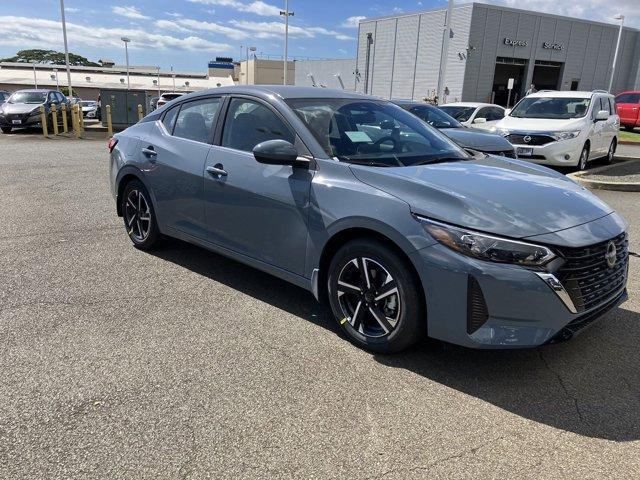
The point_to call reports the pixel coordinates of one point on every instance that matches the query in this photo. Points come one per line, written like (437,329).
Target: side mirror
(602,116)
(507,111)
(277,152)
(480,120)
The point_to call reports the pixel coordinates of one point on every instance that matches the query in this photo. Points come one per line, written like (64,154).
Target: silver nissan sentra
(401,231)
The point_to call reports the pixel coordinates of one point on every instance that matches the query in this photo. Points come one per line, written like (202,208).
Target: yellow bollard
(65,128)
(140,112)
(54,118)
(81,118)
(76,122)
(109,124)
(43,120)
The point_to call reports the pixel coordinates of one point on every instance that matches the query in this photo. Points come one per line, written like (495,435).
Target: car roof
(406,101)
(470,104)
(285,91)
(40,90)
(567,94)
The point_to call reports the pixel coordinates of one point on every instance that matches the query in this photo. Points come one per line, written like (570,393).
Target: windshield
(551,108)
(462,114)
(28,97)
(432,115)
(374,133)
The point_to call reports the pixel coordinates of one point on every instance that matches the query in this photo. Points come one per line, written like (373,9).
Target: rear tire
(6,129)
(380,310)
(139,216)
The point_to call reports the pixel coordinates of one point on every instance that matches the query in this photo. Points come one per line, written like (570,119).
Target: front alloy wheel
(375,296)
(584,158)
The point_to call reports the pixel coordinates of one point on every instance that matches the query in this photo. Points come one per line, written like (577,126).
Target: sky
(186,34)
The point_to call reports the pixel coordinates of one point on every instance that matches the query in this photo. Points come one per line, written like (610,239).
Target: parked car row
(379,214)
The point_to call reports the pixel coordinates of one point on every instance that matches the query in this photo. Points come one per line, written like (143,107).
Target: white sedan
(477,115)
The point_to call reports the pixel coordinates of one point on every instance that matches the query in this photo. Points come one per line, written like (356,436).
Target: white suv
(563,128)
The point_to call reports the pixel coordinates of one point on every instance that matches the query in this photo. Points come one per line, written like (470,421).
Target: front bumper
(563,153)
(522,309)
(9,120)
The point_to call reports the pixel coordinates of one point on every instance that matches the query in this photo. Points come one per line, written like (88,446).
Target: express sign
(515,43)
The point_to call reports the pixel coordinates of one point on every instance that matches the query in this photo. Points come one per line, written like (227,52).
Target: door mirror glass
(276,152)
(602,115)
(480,120)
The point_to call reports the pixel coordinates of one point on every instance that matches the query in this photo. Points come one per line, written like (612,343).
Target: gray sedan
(396,227)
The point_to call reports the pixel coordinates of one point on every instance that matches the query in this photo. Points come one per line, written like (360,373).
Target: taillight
(112,144)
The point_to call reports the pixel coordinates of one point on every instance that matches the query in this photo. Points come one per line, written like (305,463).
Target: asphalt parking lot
(116,363)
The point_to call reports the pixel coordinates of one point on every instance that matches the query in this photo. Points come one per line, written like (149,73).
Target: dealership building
(400,56)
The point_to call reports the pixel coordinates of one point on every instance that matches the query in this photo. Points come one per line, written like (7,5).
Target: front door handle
(217,170)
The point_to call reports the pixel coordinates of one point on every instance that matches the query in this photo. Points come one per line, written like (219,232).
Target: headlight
(565,135)
(500,131)
(487,247)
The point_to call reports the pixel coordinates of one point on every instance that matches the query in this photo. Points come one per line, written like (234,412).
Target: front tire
(584,159)
(375,296)
(139,216)
(611,153)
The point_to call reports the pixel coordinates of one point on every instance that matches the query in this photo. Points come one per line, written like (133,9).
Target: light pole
(35,78)
(126,40)
(249,49)
(66,48)
(615,56)
(444,55)
(286,14)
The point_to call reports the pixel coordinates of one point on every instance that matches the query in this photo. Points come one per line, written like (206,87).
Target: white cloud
(257,7)
(26,32)
(276,29)
(129,12)
(71,10)
(190,25)
(352,22)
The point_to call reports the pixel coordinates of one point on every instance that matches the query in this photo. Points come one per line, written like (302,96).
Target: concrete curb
(579,177)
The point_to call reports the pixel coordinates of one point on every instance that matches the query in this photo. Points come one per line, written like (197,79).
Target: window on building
(249,123)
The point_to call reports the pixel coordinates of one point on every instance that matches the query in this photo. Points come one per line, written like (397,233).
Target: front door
(254,209)
(176,151)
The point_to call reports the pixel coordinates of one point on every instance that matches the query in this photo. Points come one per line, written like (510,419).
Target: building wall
(267,72)
(406,53)
(587,54)
(324,73)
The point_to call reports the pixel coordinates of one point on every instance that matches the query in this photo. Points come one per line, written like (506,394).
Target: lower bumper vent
(477,313)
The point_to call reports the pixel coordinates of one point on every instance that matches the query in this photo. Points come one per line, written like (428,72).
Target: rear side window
(196,119)
(170,119)
(612,104)
(249,123)
(628,98)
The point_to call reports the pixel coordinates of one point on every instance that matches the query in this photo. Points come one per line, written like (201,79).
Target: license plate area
(16,122)
(524,151)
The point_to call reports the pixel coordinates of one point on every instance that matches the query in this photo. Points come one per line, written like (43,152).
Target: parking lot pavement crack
(455,456)
(572,398)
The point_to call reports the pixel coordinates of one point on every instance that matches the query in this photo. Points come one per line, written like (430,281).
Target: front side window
(495,113)
(433,116)
(374,133)
(196,119)
(462,114)
(604,105)
(551,108)
(249,123)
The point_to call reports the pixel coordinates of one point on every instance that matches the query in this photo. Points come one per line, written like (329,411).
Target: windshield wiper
(364,161)
(440,160)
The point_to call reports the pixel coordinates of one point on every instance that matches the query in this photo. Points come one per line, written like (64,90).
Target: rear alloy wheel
(138,216)
(584,159)
(375,297)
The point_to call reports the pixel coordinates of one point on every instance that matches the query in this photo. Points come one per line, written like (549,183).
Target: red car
(629,109)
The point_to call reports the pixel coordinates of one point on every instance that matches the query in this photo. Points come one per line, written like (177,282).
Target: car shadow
(589,386)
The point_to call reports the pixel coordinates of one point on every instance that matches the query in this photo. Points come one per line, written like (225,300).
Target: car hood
(495,195)
(539,124)
(477,139)
(19,108)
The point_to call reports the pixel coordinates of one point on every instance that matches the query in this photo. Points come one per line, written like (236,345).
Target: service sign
(553,46)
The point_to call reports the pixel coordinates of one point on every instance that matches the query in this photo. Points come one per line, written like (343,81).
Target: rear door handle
(149,151)
(217,170)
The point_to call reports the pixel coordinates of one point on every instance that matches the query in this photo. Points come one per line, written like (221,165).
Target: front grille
(585,320)
(477,312)
(505,153)
(535,140)
(587,277)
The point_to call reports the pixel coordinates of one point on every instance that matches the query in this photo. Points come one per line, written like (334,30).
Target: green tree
(49,57)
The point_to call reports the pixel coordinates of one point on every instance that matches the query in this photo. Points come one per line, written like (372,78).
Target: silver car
(377,213)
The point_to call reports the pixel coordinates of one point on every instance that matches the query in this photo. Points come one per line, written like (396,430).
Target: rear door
(628,111)
(175,154)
